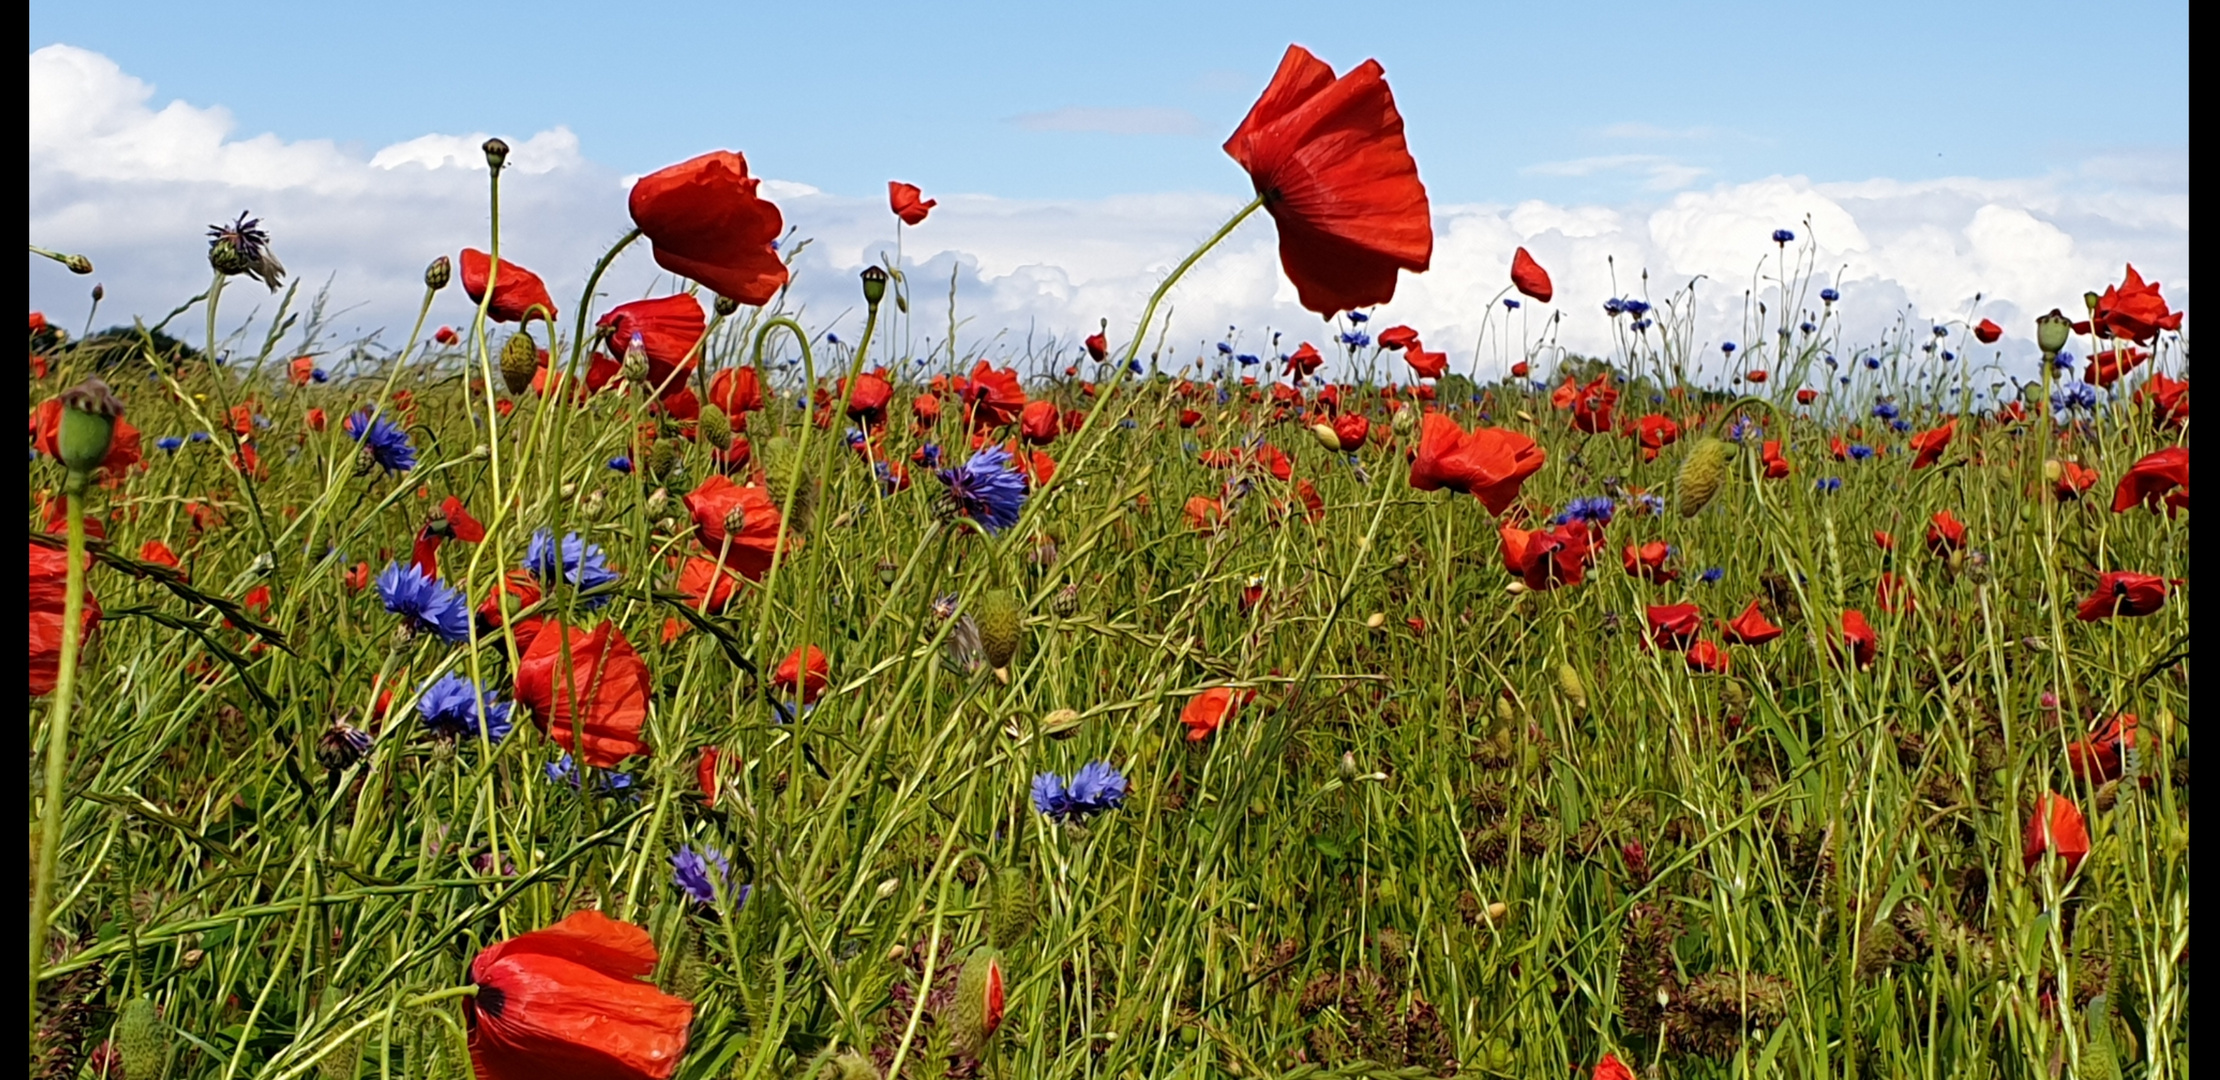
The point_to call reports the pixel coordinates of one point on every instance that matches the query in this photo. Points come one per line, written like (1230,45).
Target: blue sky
(1610,102)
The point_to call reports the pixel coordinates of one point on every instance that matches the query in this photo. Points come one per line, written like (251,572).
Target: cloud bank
(133,184)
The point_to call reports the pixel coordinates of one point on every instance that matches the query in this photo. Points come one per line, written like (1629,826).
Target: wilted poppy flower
(2154,479)
(1487,463)
(739,525)
(603,691)
(1776,466)
(1673,626)
(518,294)
(802,677)
(1039,423)
(1928,446)
(1987,332)
(2168,399)
(1648,562)
(668,327)
(1208,711)
(1426,365)
(1397,337)
(1328,157)
(1528,277)
(1858,635)
(904,200)
(2133,309)
(706,222)
(1750,627)
(2057,827)
(1945,533)
(1304,360)
(1707,657)
(1545,559)
(2096,758)
(573,1000)
(1204,514)
(2123,592)
(46,593)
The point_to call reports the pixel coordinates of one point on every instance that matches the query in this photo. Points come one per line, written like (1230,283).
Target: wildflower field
(672,688)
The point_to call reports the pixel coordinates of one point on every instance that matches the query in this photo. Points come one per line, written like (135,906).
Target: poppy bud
(659,499)
(437,275)
(1326,436)
(2052,332)
(726,306)
(977,1010)
(1702,473)
(142,1040)
(78,264)
(520,360)
(100,292)
(783,469)
(715,427)
(1001,628)
(1010,911)
(1570,685)
(497,154)
(874,285)
(89,412)
(2092,300)
(1404,421)
(661,459)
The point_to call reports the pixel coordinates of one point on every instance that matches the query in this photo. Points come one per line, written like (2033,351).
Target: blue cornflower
(1860,453)
(1806,327)
(1744,428)
(1873,363)
(1359,317)
(1900,426)
(1591,508)
(1727,347)
(1942,331)
(2074,395)
(1640,325)
(1657,399)
(888,482)
(987,489)
(383,440)
(620,463)
(1830,358)
(692,871)
(168,444)
(1636,308)
(582,564)
(928,455)
(832,338)
(427,603)
(1097,787)
(1134,366)
(1653,504)
(1247,360)
(1846,380)
(1128,424)
(1356,339)
(2065,361)
(1050,796)
(1829,485)
(1783,236)
(454,707)
(1948,356)
(564,770)
(1225,348)
(1711,575)
(1884,409)
(1510,304)
(1829,296)
(198,436)
(320,375)
(1613,307)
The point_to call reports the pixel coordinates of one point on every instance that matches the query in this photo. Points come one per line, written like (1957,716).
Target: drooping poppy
(2123,592)
(1328,157)
(2133,309)
(1208,711)
(2098,757)
(1426,364)
(907,203)
(1928,446)
(1488,463)
(1945,533)
(1987,332)
(1397,337)
(1304,360)
(1039,423)
(603,691)
(670,328)
(1673,626)
(1750,627)
(518,293)
(2057,827)
(739,525)
(1858,635)
(804,674)
(572,1002)
(1706,657)
(1776,466)
(1528,277)
(706,222)
(2159,477)
(45,594)
(1648,562)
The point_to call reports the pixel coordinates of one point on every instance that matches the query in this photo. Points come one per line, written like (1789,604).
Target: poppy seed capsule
(439,273)
(716,427)
(520,360)
(725,306)
(1702,473)
(874,285)
(497,154)
(89,412)
(1001,627)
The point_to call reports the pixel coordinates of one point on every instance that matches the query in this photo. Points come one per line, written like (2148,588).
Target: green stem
(57,738)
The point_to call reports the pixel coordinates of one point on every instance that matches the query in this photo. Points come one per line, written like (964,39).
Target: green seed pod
(439,273)
(716,427)
(783,468)
(1001,627)
(1570,684)
(1703,472)
(142,1040)
(725,306)
(497,154)
(520,360)
(2052,331)
(662,458)
(977,1010)
(874,285)
(89,412)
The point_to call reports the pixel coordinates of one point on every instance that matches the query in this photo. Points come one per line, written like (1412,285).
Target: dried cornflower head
(243,247)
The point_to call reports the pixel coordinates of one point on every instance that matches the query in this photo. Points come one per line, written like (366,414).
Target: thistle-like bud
(1001,627)
(224,258)
(89,412)
(977,1010)
(497,154)
(142,1040)
(520,360)
(439,273)
(1570,684)
(634,366)
(1065,603)
(78,264)
(1703,473)
(874,285)
(725,306)
(2052,332)
(341,746)
(715,427)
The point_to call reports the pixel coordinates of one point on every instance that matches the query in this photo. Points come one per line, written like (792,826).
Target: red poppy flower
(993,397)
(1776,466)
(1707,657)
(2056,826)
(1487,463)
(1987,332)
(1204,514)
(1806,396)
(1945,533)
(1314,508)
(1858,634)
(808,678)
(869,399)
(2096,758)
(301,370)
(669,327)
(2123,592)
(46,438)
(1521,370)
(1591,405)
(738,524)
(736,391)
(603,692)
(2167,398)
(1528,277)
(1303,360)
(1427,365)
(1098,346)
(357,577)
(518,294)
(1928,446)
(2108,365)
(518,590)
(446,335)
(904,200)
(1648,562)
(1673,626)
(2153,480)
(925,410)
(2133,309)
(1757,375)
(1397,337)
(1208,711)
(1350,430)
(572,1002)
(1750,627)
(1655,432)
(706,586)
(2073,478)
(705,775)
(706,222)
(1546,559)
(1328,157)
(316,420)
(159,553)
(1189,418)
(1611,1068)
(47,592)
(1895,594)
(1039,423)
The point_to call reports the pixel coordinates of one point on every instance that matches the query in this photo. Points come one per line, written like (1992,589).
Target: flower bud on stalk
(977,1011)
(520,360)
(78,264)
(142,1040)
(497,154)
(716,427)
(1001,628)
(89,412)
(726,306)
(1703,473)
(2052,332)
(874,285)
(439,273)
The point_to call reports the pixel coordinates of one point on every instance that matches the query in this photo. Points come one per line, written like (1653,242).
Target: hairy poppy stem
(57,737)
(1164,288)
